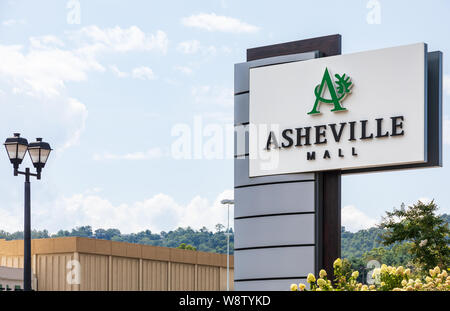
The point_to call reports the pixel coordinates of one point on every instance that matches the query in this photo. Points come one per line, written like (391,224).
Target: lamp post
(228,203)
(17,147)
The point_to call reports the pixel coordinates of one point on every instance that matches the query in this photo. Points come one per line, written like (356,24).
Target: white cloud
(10,221)
(37,75)
(213,22)
(13,22)
(43,71)
(213,95)
(45,42)
(153,153)
(354,219)
(143,73)
(75,121)
(158,213)
(117,72)
(96,39)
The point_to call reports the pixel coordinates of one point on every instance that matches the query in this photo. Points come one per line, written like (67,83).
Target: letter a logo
(338,94)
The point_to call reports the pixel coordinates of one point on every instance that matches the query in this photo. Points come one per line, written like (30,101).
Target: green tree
(427,233)
(83,231)
(219,227)
(201,240)
(188,247)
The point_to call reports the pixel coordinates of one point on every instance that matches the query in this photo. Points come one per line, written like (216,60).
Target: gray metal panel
(241,144)
(241,104)
(279,262)
(241,70)
(241,175)
(268,285)
(274,231)
(270,199)
(274,199)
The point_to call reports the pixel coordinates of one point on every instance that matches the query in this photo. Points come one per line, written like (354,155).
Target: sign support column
(308,209)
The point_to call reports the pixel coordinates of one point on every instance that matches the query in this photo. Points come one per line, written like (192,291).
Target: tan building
(74,263)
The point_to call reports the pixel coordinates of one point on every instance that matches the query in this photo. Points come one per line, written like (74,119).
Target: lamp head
(39,152)
(226,201)
(16,147)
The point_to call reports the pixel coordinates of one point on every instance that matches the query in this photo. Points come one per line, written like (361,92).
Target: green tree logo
(338,91)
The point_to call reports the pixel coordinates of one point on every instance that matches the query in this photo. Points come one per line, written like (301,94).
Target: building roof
(113,248)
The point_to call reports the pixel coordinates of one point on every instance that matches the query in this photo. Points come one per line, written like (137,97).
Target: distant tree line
(187,238)
(359,247)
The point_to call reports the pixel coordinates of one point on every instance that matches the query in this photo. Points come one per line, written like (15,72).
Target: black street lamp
(39,151)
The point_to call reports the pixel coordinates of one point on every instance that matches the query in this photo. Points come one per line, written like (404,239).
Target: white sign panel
(342,112)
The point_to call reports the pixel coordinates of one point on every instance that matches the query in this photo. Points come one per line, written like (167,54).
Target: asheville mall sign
(354,111)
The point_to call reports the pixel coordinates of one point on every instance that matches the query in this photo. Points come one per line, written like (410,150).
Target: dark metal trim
(327,45)
(273,215)
(274,278)
(274,182)
(241,155)
(329,229)
(273,246)
(243,123)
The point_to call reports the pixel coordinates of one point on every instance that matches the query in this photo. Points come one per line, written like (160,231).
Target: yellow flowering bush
(387,278)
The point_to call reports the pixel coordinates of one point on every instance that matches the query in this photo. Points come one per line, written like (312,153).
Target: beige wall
(155,275)
(94,272)
(108,265)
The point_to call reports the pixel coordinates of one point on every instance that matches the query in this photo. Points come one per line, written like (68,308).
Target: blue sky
(110,83)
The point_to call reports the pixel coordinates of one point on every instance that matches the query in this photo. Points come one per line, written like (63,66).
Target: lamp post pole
(39,151)
(228,202)
(228,249)
(27,235)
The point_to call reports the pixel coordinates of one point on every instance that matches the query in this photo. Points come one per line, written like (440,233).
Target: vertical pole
(169,276)
(141,275)
(27,235)
(331,220)
(228,250)
(196,277)
(110,273)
